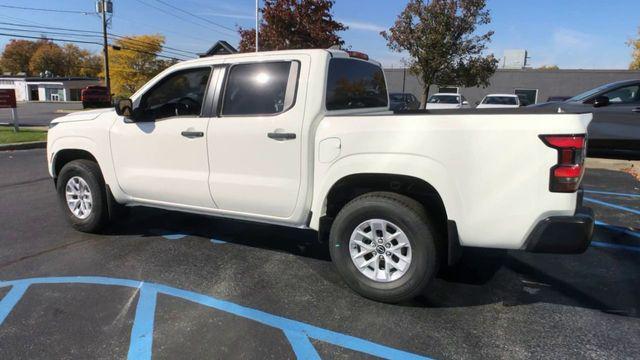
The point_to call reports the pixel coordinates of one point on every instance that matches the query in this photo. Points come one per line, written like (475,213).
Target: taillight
(567,173)
(358,55)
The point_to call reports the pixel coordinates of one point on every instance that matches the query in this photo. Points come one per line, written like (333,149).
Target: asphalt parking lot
(173,285)
(38,113)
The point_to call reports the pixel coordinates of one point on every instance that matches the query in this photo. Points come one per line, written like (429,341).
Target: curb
(24,146)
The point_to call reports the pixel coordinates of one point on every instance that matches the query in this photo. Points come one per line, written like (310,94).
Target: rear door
(255,142)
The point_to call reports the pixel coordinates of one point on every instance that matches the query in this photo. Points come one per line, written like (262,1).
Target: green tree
(48,57)
(17,56)
(442,40)
(635,44)
(294,24)
(133,61)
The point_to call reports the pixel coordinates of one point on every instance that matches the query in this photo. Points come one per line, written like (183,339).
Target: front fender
(416,166)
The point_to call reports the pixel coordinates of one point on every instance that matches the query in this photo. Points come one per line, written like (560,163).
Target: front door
(255,143)
(618,124)
(162,156)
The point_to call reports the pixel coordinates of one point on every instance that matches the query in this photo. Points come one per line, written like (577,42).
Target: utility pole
(257,21)
(105,7)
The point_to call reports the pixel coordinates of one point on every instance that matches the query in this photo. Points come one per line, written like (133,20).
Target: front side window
(624,95)
(260,88)
(500,100)
(178,94)
(355,84)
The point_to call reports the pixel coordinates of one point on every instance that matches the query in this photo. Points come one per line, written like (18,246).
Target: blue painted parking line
(142,332)
(619,229)
(214,241)
(11,299)
(615,246)
(612,193)
(301,345)
(614,206)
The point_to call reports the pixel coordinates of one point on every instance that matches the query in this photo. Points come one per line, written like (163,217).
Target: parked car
(95,96)
(494,101)
(615,129)
(403,101)
(295,141)
(558,98)
(447,101)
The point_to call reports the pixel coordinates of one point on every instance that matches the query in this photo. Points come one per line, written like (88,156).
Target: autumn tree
(133,61)
(442,40)
(80,62)
(294,24)
(17,56)
(635,44)
(549,67)
(48,57)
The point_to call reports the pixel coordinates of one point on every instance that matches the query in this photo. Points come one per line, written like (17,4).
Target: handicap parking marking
(619,229)
(611,193)
(299,334)
(614,206)
(615,246)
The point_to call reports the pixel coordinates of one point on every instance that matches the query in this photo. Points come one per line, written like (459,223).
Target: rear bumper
(563,234)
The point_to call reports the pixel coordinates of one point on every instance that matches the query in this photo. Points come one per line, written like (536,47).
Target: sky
(588,34)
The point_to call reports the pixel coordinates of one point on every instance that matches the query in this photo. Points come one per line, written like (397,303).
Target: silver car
(615,129)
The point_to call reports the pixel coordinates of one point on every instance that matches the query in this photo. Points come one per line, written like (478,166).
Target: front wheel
(384,247)
(81,191)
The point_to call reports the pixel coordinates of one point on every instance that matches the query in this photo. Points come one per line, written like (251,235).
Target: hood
(82,115)
(443,106)
(496,106)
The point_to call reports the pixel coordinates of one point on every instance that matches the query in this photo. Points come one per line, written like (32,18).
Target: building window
(74,94)
(448,90)
(527,96)
(54,94)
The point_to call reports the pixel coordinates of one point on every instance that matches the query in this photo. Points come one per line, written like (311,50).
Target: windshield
(500,100)
(443,99)
(589,93)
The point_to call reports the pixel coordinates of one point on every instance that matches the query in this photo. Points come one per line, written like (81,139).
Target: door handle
(192,134)
(280,136)
(636,110)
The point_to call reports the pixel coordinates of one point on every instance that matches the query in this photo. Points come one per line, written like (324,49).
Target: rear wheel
(81,191)
(384,247)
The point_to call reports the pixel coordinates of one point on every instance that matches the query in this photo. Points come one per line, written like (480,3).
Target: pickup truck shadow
(601,279)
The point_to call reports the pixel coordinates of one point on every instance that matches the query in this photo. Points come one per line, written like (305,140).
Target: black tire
(412,219)
(90,172)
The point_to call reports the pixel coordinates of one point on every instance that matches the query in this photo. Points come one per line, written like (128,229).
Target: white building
(46,89)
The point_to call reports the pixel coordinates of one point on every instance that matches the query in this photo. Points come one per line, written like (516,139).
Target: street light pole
(257,21)
(105,45)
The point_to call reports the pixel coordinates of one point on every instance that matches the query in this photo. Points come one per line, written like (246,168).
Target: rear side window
(260,88)
(355,84)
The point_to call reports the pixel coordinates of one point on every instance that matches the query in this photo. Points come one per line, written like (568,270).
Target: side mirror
(600,101)
(124,107)
(465,102)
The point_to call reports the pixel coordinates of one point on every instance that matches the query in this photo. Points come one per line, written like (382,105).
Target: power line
(48,10)
(195,16)
(97,34)
(88,42)
(179,17)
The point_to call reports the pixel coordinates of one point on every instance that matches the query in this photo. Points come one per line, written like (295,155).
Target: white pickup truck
(305,139)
